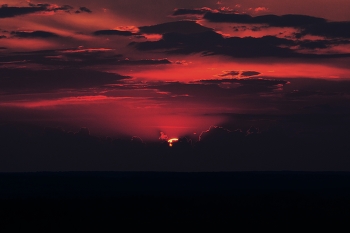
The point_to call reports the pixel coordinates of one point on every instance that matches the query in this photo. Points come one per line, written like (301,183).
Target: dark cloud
(272,20)
(85,9)
(185,27)
(249,73)
(26,80)
(144,62)
(34,34)
(308,25)
(183,11)
(184,43)
(39,4)
(289,20)
(78,58)
(3,48)
(65,8)
(318,44)
(329,29)
(7,11)
(113,33)
(211,43)
(202,11)
(3,36)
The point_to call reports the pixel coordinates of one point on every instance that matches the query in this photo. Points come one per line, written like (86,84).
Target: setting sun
(172,140)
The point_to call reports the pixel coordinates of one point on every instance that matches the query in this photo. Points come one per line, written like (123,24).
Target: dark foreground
(85,200)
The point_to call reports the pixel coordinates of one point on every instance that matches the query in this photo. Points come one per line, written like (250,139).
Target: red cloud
(259,9)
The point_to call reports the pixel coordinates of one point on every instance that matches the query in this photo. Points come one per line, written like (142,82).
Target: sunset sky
(139,68)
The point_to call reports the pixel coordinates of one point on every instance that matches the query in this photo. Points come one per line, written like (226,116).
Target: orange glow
(153,37)
(118,115)
(172,140)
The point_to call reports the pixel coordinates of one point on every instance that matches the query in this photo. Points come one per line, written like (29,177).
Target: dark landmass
(107,200)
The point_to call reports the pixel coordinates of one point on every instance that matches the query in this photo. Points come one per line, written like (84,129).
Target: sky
(170,69)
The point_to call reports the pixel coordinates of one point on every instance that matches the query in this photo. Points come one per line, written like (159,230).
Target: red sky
(129,67)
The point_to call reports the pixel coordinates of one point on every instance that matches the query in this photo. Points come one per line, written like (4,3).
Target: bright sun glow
(172,140)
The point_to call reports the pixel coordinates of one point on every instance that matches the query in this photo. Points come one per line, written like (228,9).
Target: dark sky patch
(182,11)
(10,11)
(7,12)
(329,29)
(78,58)
(113,33)
(34,34)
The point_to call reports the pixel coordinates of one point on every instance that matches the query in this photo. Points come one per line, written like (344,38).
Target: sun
(172,140)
